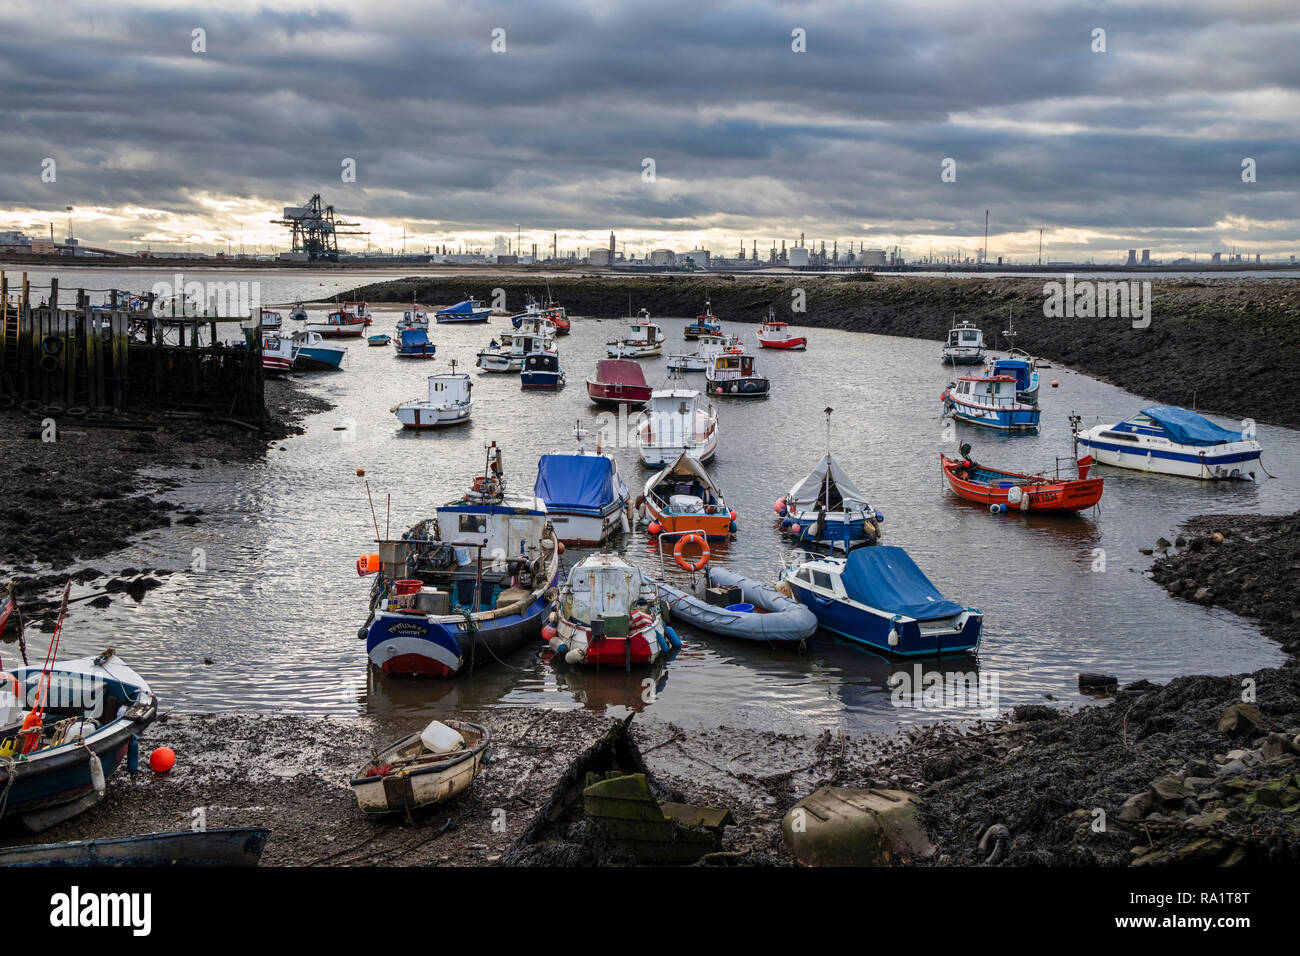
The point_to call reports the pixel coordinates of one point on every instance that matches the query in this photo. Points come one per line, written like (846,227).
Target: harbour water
(269,593)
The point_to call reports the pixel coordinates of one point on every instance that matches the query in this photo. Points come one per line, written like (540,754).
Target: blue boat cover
(1189,428)
(886,578)
(460,308)
(1016,368)
(575,482)
(414,337)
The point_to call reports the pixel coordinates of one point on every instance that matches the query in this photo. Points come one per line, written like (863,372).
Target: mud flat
(1222,345)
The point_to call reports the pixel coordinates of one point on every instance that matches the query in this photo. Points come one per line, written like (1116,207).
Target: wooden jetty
(125,357)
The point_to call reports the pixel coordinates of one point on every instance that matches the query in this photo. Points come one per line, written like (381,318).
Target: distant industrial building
(872,257)
(663,257)
(599,257)
(798,256)
(1132,258)
(1146,257)
(696,258)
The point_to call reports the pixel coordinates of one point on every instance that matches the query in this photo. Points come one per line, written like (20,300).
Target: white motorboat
(448,403)
(642,339)
(1173,441)
(965,345)
(677,420)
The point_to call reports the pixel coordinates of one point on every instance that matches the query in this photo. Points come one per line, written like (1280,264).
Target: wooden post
(54,294)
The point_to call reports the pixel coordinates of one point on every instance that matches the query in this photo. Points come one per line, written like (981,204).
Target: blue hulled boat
(826,508)
(992,400)
(542,372)
(464,588)
(469,310)
(879,597)
(414,343)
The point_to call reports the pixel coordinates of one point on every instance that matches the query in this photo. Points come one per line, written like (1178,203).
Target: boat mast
(826,482)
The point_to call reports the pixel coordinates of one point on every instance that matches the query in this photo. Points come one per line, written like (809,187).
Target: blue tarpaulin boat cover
(575,482)
(460,308)
(886,578)
(414,337)
(1189,428)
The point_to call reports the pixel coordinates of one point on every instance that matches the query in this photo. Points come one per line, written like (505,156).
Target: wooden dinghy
(1011,491)
(409,774)
(227,846)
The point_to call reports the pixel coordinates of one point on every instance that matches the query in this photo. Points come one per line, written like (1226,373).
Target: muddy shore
(1221,344)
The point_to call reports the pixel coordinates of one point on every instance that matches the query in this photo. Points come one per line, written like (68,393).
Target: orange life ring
(704,556)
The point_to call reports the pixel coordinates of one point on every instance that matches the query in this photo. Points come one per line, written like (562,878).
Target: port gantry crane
(315,230)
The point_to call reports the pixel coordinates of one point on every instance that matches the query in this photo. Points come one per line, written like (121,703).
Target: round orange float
(681,545)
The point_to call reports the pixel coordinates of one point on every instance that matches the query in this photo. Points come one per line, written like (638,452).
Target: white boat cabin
(604,585)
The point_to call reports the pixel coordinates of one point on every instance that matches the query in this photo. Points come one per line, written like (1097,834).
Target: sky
(466,120)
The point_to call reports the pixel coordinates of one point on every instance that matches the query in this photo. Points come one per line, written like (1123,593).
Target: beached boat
(428,767)
(880,598)
(826,508)
(219,846)
(705,324)
(465,588)
(377,341)
(678,420)
(990,400)
(642,339)
(965,345)
(271,320)
(1173,441)
(618,382)
(542,372)
(508,354)
(558,316)
(759,613)
(1012,491)
(467,310)
(586,498)
(448,403)
(413,318)
(278,352)
(682,498)
(732,373)
(708,346)
(608,614)
(414,343)
(298,313)
(339,324)
(776,335)
(360,309)
(63,731)
(313,353)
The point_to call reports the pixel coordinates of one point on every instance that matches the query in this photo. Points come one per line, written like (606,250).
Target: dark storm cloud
(844,140)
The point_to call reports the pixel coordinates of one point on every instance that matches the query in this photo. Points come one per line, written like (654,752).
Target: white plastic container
(441,739)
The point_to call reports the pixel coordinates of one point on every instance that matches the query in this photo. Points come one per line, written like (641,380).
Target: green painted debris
(651,832)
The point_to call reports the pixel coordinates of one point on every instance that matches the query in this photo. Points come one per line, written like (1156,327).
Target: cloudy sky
(1139,146)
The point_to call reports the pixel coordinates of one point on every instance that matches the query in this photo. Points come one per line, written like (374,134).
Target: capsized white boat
(1173,441)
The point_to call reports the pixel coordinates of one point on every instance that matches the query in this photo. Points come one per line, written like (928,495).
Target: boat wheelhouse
(990,400)
(965,345)
(1024,371)
(413,319)
(618,382)
(773,334)
(705,324)
(360,309)
(1174,441)
(880,598)
(313,353)
(608,615)
(542,372)
(682,499)
(585,496)
(642,339)
(448,403)
(298,313)
(826,508)
(278,352)
(707,347)
(414,343)
(339,324)
(677,420)
(271,320)
(465,588)
(508,354)
(467,310)
(558,316)
(732,373)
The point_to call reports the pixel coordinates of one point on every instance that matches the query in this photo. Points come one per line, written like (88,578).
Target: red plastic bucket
(407,586)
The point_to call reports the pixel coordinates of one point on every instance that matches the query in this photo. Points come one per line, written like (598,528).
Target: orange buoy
(779,505)
(559,547)
(654,528)
(33,723)
(704,555)
(1055,383)
(162,759)
(549,633)
(367,564)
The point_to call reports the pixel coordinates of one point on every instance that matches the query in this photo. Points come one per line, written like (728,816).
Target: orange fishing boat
(682,499)
(1011,491)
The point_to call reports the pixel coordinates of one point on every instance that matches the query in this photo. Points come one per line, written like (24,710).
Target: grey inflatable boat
(784,619)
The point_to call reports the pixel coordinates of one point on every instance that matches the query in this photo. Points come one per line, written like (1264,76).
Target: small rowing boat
(422,769)
(222,846)
(1009,490)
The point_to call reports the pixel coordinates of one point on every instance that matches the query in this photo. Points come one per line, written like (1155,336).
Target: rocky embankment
(1223,345)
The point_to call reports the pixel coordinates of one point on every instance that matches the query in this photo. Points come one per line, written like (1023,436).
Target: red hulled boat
(618,382)
(1017,492)
(776,335)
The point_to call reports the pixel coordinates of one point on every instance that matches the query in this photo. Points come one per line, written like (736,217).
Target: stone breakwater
(1224,345)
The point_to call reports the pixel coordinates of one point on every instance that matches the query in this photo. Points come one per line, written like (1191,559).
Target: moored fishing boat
(542,372)
(298,313)
(425,768)
(1024,371)
(278,352)
(414,343)
(448,403)
(360,309)
(1173,441)
(558,316)
(642,339)
(339,324)
(312,352)
(880,598)
(682,499)
(731,372)
(989,400)
(218,846)
(707,347)
(467,310)
(1011,491)
(413,318)
(508,354)
(773,334)
(618,382)
(586,498)
(705,324)
(64,728)
(678,420)
(826,508)
(466,587)
(271,320)
(965,345)
(378,340)
(607,613)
